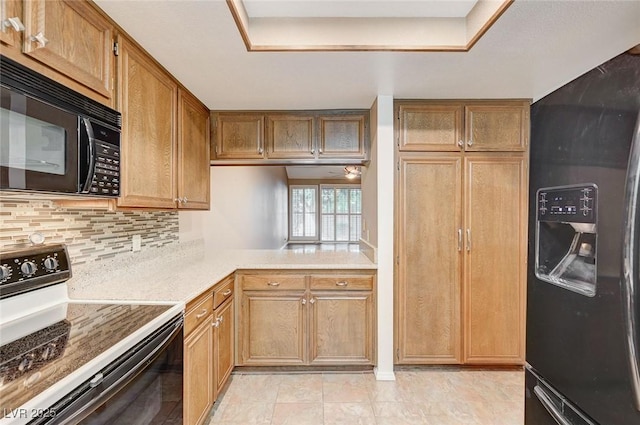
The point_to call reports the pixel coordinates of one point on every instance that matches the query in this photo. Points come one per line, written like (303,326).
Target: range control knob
(51,264)
(5,272)
(28,268)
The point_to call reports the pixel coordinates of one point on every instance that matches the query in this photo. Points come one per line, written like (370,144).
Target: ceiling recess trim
(367,34)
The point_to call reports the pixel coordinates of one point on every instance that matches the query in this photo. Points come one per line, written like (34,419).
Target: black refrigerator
(583,285)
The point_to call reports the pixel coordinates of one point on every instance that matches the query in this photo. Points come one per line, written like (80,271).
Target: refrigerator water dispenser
(566,237)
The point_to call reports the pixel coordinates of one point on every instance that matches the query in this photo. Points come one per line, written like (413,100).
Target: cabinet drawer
(343,282)
(272,282)
(223,291)
(198,313)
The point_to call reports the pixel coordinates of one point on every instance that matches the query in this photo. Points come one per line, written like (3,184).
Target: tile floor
(431,397)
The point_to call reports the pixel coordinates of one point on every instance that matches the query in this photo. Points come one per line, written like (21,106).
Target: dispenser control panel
(577,204)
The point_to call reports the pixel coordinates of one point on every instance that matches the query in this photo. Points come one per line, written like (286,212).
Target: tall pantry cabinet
(461,231)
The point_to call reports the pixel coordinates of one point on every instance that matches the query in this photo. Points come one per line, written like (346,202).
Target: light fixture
(352,171)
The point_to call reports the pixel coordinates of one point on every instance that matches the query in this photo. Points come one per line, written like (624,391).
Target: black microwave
(53,139)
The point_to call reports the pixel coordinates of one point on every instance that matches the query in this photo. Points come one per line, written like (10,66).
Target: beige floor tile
(344,388)
(429,397)
(246,413)
(348,414)
(300,389)
(410,413)
(298,414)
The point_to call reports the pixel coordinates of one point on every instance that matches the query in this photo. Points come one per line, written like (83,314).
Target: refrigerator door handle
(630,262)
(548,404)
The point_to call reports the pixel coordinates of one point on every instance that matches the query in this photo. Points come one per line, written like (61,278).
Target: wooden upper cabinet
(239,136)
(72,38)
(342,136)
(290,136)
(495,264)
(497,127)
(193,152)
(11,13)
(147,98)
(430,126)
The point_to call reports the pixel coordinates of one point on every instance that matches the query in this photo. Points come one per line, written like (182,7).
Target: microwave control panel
(576,204)
(106,171)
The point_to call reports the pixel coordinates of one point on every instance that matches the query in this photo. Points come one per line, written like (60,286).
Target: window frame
(335,213)
(318,214)
(303,238)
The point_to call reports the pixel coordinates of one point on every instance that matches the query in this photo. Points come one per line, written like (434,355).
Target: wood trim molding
(243,23)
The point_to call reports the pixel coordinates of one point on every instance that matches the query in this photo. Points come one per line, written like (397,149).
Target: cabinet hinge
(398,165)
(116,49)
(397,259)
(397,354)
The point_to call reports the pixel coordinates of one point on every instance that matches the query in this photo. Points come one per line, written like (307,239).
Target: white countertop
(181,273)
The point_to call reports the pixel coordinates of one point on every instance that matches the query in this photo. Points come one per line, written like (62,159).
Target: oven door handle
(631,245)
(547,403)
(81,402)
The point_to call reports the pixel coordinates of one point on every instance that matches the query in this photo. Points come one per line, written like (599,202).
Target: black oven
(142,387)
(53,139)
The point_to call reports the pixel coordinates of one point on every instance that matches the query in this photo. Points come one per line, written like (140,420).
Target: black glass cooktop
(40,350)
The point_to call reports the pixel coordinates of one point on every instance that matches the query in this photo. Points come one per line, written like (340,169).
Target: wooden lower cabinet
(495,263)
(272,328)
(461,245)
(329,319)
(198,373)
(341,329)
(223,335)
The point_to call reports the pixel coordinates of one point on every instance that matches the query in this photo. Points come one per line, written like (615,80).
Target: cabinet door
(198,373)
(10,9)
(342,136)
(429,252)
(290,136)
(341,327)
(72,38)
(240,136)
(193,153)
(430,126)
(273,328)
(495,264)
(223,340)
(147,99)
(497,127)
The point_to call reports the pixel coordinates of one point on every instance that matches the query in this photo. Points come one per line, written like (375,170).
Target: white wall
(385,203)
(248,210)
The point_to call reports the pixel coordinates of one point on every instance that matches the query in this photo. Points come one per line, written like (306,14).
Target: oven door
(38,145)
(142,387)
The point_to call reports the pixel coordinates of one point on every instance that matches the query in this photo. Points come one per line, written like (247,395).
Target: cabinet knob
(260,150)
(40,39)
(460,143)
(216,324)
(320,150)
(342,283)
(303,301)
(312,300)
(273,283)
(14,23)
(201,314)
(313,151)
(227,292)
(470,142)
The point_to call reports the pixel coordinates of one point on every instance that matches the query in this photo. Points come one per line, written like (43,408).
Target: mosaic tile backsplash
(90,235)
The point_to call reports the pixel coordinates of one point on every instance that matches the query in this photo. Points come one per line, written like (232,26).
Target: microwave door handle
(90,153)
(630,260)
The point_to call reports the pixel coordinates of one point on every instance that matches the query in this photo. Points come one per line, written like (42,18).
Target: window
(304,216)
(339,217)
